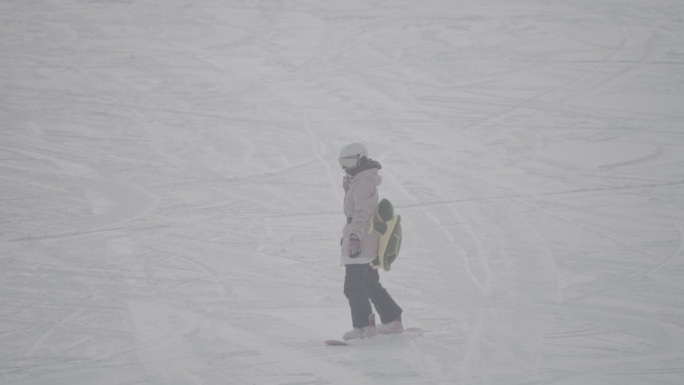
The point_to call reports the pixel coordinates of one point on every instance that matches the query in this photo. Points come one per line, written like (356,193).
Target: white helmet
(351,153)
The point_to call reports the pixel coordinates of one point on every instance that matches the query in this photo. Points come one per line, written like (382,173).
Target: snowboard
(411,332)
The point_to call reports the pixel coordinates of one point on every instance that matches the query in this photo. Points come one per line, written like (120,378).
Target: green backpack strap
(383,213)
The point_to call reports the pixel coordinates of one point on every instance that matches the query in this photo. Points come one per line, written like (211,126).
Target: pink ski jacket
(360,202)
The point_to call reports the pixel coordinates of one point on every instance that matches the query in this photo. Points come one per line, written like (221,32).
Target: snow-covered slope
(170,204)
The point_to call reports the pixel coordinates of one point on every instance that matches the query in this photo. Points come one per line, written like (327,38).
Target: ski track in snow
(171,201)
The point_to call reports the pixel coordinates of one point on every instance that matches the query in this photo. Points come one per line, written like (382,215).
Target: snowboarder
(359,248)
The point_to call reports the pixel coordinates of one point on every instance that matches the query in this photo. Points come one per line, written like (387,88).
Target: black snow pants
(362,286)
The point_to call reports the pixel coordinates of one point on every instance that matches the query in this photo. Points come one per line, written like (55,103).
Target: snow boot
(364,332)
(392,327)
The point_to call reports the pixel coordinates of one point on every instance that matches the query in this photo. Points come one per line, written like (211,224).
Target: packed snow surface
(170,206)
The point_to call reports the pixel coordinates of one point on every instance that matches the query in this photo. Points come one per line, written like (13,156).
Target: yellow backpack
(388,227)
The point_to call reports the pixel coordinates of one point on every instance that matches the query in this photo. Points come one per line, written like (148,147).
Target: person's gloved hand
(354,246)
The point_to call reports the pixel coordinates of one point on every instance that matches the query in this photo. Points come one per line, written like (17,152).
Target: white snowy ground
(170,200)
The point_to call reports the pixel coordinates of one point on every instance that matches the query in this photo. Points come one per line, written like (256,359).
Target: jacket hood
(366,164)
(367,170)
